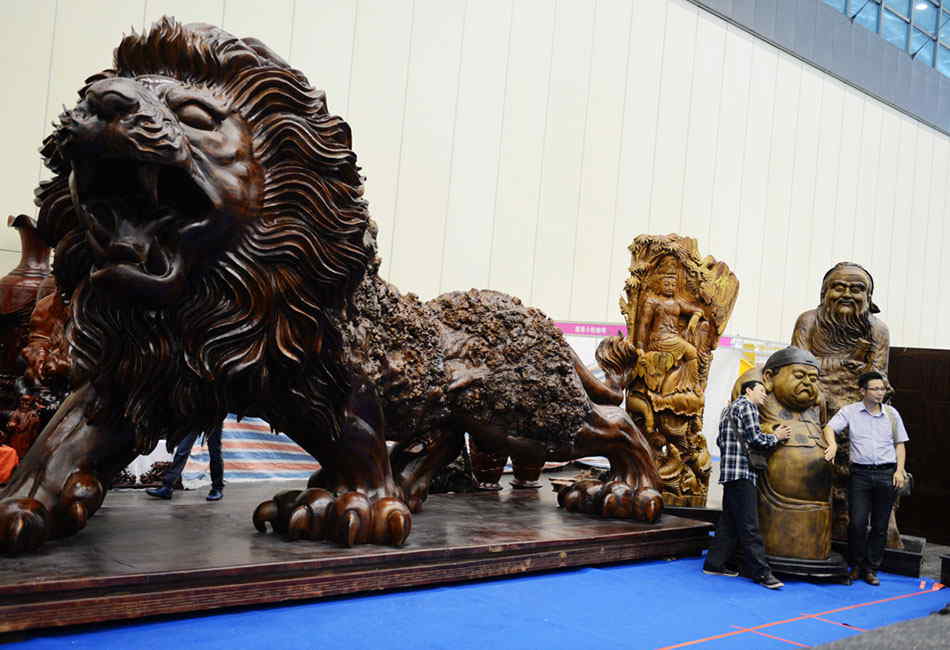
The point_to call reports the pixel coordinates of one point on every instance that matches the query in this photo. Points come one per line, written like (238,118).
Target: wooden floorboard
(140,557)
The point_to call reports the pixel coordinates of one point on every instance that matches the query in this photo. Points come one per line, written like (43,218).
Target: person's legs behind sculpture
(182,453)
(217,465)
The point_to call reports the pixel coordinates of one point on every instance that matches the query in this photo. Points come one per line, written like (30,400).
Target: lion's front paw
(349,519)
(612,499)
(22,525)
(26,523)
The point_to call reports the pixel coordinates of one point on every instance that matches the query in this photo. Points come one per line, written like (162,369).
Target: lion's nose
(114,97)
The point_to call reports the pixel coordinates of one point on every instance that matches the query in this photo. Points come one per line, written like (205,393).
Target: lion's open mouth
(134,214)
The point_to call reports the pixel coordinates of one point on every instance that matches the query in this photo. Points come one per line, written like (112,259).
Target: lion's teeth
(82,176)
(148,177)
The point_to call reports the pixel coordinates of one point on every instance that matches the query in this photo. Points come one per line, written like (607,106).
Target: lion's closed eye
(196,117)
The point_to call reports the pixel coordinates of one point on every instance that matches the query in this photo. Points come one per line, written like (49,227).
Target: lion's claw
(612,499)
(22,525)
(82,496)
(349,519)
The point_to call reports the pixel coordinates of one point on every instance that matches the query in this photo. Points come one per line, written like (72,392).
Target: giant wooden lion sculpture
(216,255)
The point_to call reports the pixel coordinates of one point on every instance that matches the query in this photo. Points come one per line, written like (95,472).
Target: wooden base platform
(141,556)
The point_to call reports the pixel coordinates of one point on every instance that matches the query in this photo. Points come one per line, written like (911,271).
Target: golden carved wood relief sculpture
(676,306)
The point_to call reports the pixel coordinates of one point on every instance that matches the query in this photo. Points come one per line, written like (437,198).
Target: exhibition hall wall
(520,145)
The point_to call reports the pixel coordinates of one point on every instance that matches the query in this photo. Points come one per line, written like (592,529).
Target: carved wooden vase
(18,290)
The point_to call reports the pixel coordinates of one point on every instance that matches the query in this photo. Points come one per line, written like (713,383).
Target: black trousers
(870,495)
(739,527)
(183,451)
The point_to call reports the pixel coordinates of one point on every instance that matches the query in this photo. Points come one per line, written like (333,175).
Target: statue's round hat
(788,356)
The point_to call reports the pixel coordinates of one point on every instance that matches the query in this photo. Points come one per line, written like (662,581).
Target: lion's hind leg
(631,488)
(415,462)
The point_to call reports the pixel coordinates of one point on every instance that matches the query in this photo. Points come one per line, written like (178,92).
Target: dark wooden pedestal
(140,556)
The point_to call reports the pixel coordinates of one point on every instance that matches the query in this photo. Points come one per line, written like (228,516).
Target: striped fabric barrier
(251,452)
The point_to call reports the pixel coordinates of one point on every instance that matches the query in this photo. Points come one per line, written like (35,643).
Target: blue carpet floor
(643,605)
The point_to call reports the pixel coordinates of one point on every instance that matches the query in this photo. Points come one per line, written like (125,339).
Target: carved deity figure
(848,340)
(23,426)
(46,352)
(676,305)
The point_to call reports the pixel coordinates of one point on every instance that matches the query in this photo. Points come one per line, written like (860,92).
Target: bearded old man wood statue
(848,340)
(216,256)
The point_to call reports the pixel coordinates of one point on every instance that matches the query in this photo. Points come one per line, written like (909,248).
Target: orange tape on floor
(772,636)
(936,587)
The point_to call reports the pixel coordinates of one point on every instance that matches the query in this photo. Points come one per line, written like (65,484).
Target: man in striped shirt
(739,522)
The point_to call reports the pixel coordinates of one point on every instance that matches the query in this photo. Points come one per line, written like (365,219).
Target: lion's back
(520,369)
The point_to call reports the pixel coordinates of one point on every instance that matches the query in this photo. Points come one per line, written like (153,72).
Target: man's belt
(881,466)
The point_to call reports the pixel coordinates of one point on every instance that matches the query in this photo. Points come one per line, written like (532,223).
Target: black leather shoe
(214,494)
(871,578)
(724,571)
(770,582)
(163,492)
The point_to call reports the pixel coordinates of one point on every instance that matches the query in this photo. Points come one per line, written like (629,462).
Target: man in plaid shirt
(739,522)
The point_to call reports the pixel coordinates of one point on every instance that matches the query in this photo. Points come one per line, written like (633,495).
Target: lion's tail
(597,391)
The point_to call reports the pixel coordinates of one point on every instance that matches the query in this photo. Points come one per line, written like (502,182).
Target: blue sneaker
(214,494)
(163,492)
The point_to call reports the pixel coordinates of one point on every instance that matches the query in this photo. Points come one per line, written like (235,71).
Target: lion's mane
(258,319)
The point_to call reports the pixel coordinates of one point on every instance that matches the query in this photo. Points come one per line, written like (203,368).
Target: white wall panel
(778,197)
(703,130)
(867,182)
(377,105)
(849,163)
(522,147)
(638,144)
(598,192)
(724,242)
(895,289)
(755,180)
(321,46)
(8,259)
(827,166)
(271,22)
(565,128)
(29,29)
(933,281)
(909,274)
(800,290)
(676,78)
(523,144)
(185,11)
(941,330)
(886,195)
(425,164)
(470,217)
